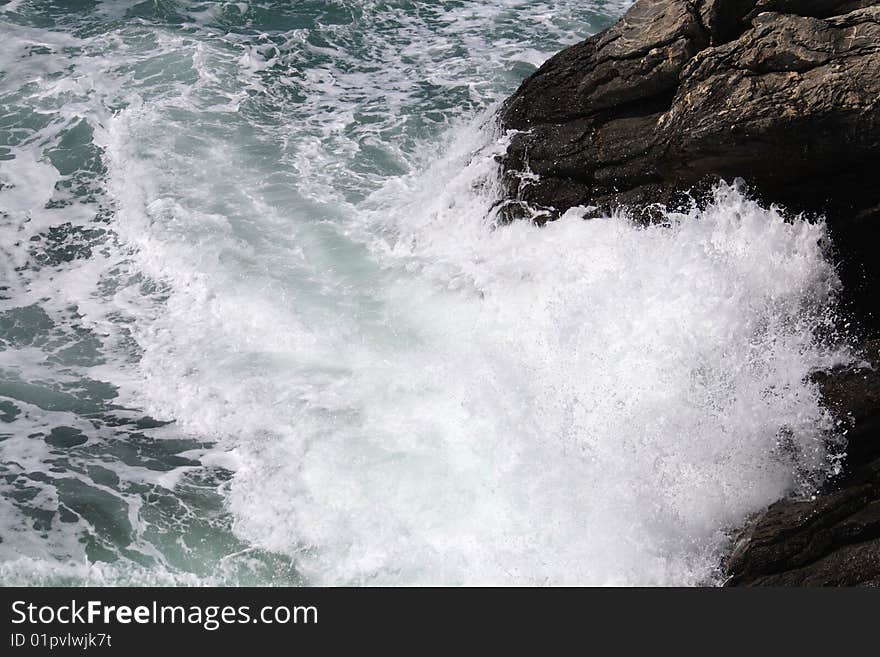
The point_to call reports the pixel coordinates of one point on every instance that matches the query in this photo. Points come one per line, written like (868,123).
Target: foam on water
(279,238)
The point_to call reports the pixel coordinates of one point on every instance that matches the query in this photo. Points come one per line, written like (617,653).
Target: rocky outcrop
(782,93)
(834,539)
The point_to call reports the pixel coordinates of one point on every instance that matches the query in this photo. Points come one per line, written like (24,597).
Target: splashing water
(257,324)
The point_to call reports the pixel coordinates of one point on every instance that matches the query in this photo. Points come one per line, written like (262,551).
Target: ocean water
(258,324)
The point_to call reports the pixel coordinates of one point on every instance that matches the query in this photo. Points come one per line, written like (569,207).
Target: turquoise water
(257,325)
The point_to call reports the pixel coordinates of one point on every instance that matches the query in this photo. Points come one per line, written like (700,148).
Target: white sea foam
(591,402)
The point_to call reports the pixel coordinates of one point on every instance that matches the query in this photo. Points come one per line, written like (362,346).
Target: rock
(821,550)
(815,8)
(834,539)
(852,394)
(782,93)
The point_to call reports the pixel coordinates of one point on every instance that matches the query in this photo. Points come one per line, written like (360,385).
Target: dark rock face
(662,99)
(782,93)
(833,540)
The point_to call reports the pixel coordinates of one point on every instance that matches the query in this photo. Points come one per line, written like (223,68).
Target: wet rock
(834,539)
(830,541)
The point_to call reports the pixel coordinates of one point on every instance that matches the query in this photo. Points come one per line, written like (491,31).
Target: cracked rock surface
(784,94)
